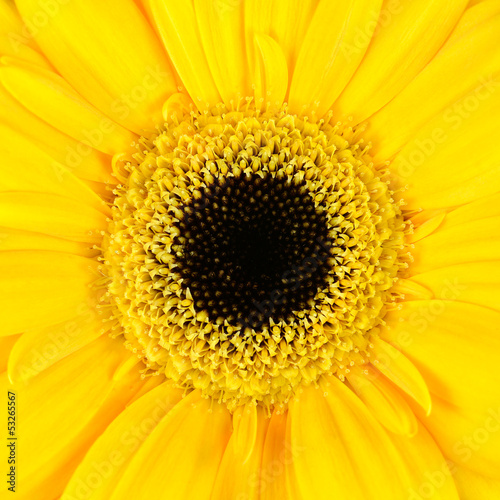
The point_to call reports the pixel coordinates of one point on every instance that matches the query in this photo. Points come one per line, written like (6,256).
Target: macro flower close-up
(250,250)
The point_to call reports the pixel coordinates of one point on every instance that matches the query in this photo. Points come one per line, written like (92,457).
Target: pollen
(251,252)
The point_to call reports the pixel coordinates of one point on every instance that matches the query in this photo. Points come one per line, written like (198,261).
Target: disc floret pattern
(254,247)
(356,252)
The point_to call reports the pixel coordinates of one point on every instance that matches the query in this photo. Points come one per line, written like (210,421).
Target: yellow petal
(16,38)
(258,20)
(267,59)
(468,436)
(461,66)
(454,345)
(130,364)
(6,345)
(409,289)
(84,161)
(423,216)
(276,455)
(240,469)
(472,241)
(40,288)
(400,370)
(451,160)
(221,28)
(149,384)
(406,38)
(51,214)
(474,282)
(271,72)
(52,99)
(16,239)
(324,64)
(427,228)
(432,476)
(482,208)
(341,451)
(186,469)
(322,466)
(177,24)
(475,15)
(175,107)
(384,401)
(291,478)
(245,426)
(40,348)
(69,406)
(289,23)
(99,472)
(37,171)
(108,52)
(473,485)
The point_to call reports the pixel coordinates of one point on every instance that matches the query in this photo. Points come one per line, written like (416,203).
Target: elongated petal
(271,73)
(41,288)
(277,455)
(437,164)
(187,470)
(57,427)
(38,171)
(473,241)
(221,28)
(130,79)
(15,37)
(289,23)
(51,214)
(384,400)
(432,476)
(323,66)
(178,28)
(406,38)
(17,239)
(6,345)
(473,485)
(124,437)
(240,468)
(400,370)
(474,282)
(31,134)
(39,349)
(341,450)
(463,65)
(454,345)
(52,99)
(468,436)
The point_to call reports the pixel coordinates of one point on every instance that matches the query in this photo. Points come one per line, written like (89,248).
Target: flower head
(250,248)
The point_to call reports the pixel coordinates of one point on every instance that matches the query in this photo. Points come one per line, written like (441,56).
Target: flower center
(252,252)
(253,248)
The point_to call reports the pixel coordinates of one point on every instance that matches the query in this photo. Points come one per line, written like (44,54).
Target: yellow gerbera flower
(250,250)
